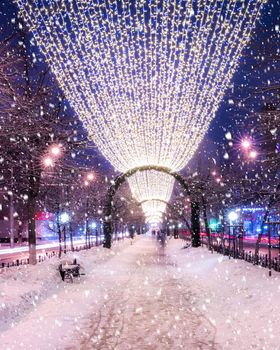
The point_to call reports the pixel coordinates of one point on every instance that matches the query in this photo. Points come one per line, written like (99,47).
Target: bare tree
(33,117)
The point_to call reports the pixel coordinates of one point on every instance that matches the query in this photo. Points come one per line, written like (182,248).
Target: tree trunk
(71,236)
(205,219)
(116,231)
(58,231)
(96,236)
(32,230)
(34,179)
(195,224)
(107,227)
(86,236)
(64,239)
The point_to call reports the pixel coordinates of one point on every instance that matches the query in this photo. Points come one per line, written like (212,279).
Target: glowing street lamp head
(93,225)
(64,218)
(253,154)
(90,176)
(89,179)
(48,162)
(233,216)
(246,144)
(55,150)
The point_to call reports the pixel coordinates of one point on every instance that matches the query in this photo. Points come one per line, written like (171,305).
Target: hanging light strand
(147,77)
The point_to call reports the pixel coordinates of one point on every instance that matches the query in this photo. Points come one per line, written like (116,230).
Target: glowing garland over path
(153,219)
(153,188)
(147,185)
(153,208)
(145,77)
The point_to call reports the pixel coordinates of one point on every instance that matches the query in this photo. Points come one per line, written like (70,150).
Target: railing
(234,251)
(40,258)
(261,259)
(48,255)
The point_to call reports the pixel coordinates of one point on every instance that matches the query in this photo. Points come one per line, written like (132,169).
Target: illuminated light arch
(120,179)
(150,184)
(153,207)
(154,219)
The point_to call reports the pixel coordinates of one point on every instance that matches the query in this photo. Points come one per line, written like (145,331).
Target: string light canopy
(146,186)
(153,208)
(146,77)
(154,219)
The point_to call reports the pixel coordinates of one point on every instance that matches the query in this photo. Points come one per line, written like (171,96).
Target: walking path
(145,297)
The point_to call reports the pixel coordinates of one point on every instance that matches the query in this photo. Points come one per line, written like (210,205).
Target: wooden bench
(69,271)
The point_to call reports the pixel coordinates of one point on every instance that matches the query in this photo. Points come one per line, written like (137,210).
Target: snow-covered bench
(69,270)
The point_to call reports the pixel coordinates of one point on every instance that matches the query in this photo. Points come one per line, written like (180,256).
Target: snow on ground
(142,297)
(238,298)
(23,287)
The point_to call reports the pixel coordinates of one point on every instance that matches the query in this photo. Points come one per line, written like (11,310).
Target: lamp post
(94,226)
(86,222)
(54,152)
(64,219)
(269,248)
(233,216)
(246,143)
(247,147)
(89,178)
(11,212)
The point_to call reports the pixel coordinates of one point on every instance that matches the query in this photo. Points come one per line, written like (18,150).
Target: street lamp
(233,216)
(93,225)
(253,154)
(89,178)
(48,162)
(64,218)
(246,144)
(55,150)
(53,153)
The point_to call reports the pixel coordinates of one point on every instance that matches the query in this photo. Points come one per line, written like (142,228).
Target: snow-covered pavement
(142,297)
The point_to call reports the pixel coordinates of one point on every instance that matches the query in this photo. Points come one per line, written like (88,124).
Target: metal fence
(263,260)
(50,254)
(235,250)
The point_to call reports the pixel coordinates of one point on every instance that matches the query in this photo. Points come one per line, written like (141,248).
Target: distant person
(162,237)
(131,236)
